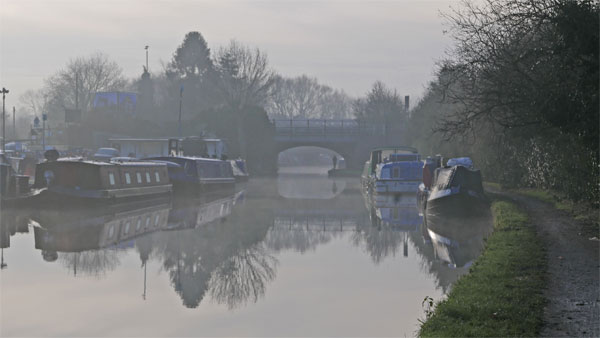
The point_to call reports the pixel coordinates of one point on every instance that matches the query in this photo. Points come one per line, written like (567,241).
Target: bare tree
(245,80)
(245,75)
(304,97)
(80,80)
(32,102)
(380,104)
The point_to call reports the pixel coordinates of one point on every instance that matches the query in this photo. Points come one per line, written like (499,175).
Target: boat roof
(99,163)
(189,158)
(162,139)
(411,149)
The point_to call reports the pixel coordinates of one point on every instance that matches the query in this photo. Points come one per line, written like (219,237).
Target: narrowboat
(393,170)
(187,146)
(196,174)
(457,189)
(90,181)
(430,164)
(14,188)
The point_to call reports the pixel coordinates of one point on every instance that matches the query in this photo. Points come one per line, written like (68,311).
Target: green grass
(502,294)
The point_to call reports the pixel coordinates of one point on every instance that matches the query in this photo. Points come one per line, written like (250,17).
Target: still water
(296,255)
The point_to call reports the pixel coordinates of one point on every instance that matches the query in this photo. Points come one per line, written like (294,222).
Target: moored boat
(393,170)
(14,188)
(197,174)
(456,189)
(89,181)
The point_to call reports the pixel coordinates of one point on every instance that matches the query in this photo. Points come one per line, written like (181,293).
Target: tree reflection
(298,239)
(243,277)
(222,257)
(380,242)
(94,263)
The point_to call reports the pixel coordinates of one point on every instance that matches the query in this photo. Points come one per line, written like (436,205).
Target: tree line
(519,93)
(232,93)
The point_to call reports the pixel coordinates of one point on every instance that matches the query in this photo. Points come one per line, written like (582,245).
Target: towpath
(573,288)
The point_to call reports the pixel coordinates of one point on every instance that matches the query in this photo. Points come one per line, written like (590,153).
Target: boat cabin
(197,173)
(101,180)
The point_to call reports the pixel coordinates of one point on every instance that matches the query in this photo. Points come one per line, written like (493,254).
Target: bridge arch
(311,155)
(350,138)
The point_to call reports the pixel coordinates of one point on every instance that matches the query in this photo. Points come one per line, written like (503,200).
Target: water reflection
(391,218)
(457,241)
(228,249)
(12,222)
(450,245)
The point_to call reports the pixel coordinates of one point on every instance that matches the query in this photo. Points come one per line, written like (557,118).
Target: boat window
(127,225)
(147,221)
(111,231)
(127,178)
(157,176)
(396,173)
(156,219)
(138,225)
(139,177)
(147,177)
(111,178)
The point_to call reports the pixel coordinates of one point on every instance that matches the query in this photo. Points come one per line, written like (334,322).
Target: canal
(301,254)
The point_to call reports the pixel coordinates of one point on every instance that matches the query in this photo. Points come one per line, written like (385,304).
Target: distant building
(115,102)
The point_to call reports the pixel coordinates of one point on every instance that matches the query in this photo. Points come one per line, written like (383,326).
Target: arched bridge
(350,138)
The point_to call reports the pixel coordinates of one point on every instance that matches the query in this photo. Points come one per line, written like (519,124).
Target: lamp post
(14,125)
(146,48)
(4,92)
(44,117)
(180,104)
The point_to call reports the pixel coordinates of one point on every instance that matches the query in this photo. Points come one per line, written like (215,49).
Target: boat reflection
(12,222)
(392,218)
(398,212)
(457,241)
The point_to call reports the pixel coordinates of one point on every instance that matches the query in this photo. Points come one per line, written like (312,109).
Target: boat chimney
(51,155)
(406,102)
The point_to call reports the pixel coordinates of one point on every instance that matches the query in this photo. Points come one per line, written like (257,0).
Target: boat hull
(456,202)
(395,187)
(198,187)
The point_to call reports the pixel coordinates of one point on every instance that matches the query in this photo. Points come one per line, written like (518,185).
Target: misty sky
(345,44)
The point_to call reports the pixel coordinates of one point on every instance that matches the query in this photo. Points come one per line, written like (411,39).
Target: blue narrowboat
(393,170)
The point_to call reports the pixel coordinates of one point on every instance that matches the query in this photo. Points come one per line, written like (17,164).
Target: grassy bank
(502,294)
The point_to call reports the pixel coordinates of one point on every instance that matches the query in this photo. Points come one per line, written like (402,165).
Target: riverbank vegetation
(519,94)
(502,294)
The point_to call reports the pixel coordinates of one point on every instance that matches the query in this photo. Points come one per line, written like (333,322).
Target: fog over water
(259,262)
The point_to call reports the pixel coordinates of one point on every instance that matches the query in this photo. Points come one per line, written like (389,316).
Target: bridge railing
(327,128)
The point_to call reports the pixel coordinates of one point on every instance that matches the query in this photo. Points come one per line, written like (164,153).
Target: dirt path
(574,270)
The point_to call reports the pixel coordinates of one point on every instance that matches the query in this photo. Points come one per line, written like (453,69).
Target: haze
(345,44)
